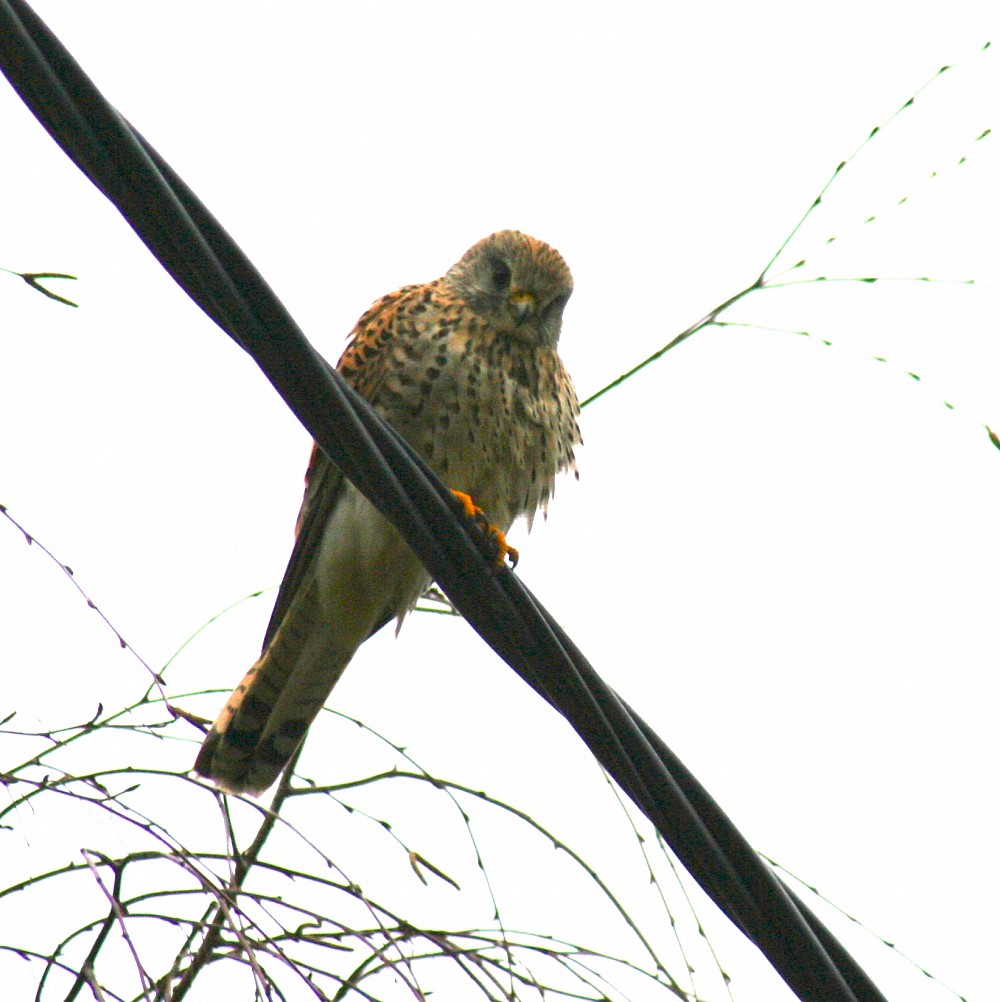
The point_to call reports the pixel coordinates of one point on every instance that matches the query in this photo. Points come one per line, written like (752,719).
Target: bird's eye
(556,307)
(500,276)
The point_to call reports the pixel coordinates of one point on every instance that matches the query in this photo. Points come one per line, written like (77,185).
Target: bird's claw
(493,533)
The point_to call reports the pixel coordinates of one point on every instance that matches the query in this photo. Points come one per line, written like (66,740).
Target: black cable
(198,253)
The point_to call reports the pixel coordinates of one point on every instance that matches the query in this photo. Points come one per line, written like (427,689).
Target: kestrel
(466,369)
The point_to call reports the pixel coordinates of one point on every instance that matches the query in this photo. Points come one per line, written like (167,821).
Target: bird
(466,369)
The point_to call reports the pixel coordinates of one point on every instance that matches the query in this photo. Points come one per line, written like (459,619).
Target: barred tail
(269,712)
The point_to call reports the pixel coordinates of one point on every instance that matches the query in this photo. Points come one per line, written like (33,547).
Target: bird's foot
(500,549)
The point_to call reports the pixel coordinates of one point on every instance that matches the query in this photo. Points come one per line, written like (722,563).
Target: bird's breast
(494,417)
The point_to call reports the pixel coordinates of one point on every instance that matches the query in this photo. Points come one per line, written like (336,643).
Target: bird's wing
(324,487)
(364,368)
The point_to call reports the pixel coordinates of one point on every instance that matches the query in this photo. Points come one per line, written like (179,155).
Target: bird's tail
(269,712)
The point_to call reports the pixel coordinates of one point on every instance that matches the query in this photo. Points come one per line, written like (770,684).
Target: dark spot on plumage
(431,373)
(241,739)
(521,374)
(254,706)
(293,729)
(388,398)
(270,754)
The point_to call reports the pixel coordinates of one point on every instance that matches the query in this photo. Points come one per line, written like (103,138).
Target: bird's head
(517,284)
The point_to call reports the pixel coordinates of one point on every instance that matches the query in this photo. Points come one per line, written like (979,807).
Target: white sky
(782,554)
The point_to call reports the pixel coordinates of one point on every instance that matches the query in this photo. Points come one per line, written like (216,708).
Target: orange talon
(468,505)
(504,550)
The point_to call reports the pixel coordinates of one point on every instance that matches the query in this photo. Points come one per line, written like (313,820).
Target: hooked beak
(524,304)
